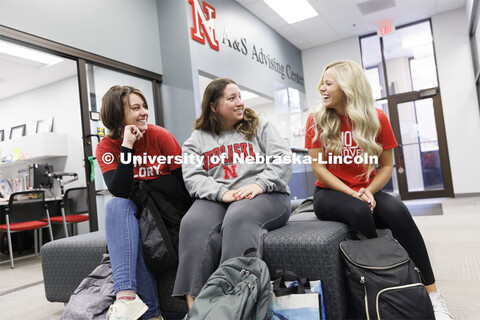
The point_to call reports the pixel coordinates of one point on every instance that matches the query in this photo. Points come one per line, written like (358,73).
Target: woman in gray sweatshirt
(237,166)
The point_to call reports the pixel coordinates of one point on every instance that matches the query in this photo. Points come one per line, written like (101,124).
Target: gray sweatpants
(212,232)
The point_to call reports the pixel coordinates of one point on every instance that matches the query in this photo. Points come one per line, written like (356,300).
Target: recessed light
(28,54)
(292,11)
(248,95)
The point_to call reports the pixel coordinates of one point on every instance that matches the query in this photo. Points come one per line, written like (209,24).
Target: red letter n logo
(203,19)
(230,172)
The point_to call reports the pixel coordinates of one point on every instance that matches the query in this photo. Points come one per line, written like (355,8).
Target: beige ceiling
(19,75)
(337,19)
(340,19)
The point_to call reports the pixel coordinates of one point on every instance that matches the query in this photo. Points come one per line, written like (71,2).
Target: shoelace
(113,308)
(439,305)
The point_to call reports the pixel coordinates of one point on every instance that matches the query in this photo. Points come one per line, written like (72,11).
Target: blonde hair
(360,109)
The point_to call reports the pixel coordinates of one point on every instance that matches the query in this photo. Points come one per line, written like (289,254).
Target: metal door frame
(393,102)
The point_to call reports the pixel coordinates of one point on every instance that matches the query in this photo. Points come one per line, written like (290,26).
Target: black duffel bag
(382,281)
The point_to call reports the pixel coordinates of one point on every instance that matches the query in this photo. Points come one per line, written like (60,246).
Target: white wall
(59,100)
(125,31)
(239,24)
(459,98)
(469,9)
(457,87)
(315,59)
(188,58)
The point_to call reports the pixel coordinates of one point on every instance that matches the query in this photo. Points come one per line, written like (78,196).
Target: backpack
(382,281)
(237,290)
(93,296)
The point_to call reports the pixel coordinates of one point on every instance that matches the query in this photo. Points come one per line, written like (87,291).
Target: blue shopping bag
(298,299)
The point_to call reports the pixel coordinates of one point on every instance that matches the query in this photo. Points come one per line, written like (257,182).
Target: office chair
(24,212)
(74,207)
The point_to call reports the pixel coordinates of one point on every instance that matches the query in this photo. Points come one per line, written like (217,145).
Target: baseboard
(465,195)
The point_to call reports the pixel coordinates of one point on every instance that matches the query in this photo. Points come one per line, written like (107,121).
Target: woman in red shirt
(341,135)
(125,114)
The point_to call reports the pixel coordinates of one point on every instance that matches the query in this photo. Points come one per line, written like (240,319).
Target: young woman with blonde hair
(236,202)
(348,125)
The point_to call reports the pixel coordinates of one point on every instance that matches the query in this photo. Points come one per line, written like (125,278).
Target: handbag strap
(355,235)
(279,287)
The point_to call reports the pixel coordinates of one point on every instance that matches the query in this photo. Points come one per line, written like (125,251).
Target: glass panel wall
(409,67)
(420,146)
(409,59)
(40,123)
(372,63)
(99,80)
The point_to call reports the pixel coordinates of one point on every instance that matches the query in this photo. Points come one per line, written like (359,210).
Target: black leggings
(331,205)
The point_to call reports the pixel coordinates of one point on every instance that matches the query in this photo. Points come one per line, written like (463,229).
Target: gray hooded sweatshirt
(229,161)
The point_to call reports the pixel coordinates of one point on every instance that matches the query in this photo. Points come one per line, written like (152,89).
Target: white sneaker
(127,309)
(439,307)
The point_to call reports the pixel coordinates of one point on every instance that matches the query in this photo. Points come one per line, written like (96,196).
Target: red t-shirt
(154,149)
(349,173)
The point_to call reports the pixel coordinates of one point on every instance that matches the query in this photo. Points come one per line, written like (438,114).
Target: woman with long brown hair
(240,194)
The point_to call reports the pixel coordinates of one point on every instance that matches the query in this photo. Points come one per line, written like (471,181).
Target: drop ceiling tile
(274,20)
(11,70)
(330,5)
(66,68)
(286,30)
(340,15)
(304,46)
(260,9)
(299,42)
(323,32)
(14,87)
(309,24)
(324,40)
(246,2)
(447,5)
(354,26)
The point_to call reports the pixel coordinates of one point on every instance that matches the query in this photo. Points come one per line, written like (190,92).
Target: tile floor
(453,241)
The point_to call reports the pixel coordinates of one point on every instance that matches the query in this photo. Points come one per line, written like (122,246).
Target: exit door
(421,159)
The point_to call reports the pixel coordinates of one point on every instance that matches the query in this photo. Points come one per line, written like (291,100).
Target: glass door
(99,80)
(421,160)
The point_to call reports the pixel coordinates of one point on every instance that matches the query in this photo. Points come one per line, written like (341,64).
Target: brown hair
(112,112)
(210,121)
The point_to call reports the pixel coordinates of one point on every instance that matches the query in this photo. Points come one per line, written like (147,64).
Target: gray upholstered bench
(306,246)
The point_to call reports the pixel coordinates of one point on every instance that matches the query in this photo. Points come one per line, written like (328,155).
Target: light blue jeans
(126,255)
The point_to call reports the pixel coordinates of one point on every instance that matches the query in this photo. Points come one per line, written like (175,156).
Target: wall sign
(204,27)
(203,23)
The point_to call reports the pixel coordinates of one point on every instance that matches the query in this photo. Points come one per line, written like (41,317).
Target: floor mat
(427,209)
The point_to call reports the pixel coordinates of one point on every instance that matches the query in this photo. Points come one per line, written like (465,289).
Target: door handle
(91,161)
(92,135)
(400,169)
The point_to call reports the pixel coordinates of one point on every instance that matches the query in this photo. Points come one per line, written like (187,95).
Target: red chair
(24,212)
(74,208)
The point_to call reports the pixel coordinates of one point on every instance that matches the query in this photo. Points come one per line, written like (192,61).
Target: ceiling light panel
(292,11)
(28,54)
(248,95)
